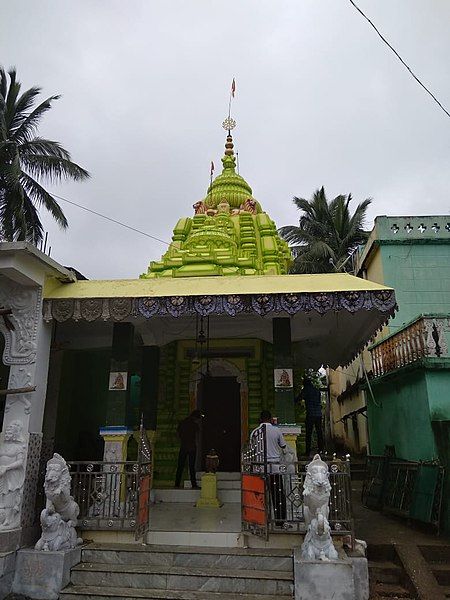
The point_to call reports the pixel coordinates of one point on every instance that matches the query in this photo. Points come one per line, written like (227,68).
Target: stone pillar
(26,352)
(283,371)
(149,385)
(116,432)
(290,434)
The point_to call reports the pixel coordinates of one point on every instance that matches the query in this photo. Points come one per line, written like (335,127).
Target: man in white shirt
(275,446)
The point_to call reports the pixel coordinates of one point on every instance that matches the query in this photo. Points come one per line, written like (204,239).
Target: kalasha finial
(229,124)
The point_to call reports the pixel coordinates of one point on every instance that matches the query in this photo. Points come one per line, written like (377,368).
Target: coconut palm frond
(26,160)
(327,233)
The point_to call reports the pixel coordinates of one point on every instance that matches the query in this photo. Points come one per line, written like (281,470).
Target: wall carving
(20,377)
(20,343)
(118,309)
(435,340)
(12,475)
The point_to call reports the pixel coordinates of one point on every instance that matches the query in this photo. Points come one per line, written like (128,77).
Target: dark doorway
(220,402)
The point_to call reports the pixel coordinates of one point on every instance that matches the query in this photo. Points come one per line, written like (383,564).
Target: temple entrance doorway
(220,402)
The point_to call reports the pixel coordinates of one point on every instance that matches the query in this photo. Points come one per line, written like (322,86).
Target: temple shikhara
(103,371)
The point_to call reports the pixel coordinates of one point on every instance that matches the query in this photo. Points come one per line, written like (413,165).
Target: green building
(408,402)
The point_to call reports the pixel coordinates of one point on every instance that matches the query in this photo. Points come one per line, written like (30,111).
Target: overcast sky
(319,101)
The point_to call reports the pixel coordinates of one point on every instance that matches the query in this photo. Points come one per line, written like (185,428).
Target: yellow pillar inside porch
(291,441)
(208,494)
(113,452)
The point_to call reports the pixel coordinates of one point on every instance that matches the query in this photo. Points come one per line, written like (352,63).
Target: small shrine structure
(217,324)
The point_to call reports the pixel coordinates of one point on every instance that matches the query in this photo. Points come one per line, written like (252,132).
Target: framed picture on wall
(118,381)
(283,378)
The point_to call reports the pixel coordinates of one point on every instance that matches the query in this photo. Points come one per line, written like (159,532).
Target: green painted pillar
(149,385)
(119,375)
(283,370)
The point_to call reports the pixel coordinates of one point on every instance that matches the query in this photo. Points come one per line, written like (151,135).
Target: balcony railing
(426,336)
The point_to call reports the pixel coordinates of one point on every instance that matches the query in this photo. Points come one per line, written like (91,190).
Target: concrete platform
(191,496)
(179,523)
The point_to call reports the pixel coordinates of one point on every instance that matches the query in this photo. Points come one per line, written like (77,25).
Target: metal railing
(404,488)
(279,501)
(107,494)
(283,486)
(423,337)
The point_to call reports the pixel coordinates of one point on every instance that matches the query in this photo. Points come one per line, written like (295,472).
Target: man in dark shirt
(311,396)
(187,432)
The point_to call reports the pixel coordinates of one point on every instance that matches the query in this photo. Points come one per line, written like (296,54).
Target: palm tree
(327,233)
(26,159)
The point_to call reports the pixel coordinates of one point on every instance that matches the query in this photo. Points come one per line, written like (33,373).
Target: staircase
(437,558)
(174,520)
(387,577)
(133,572)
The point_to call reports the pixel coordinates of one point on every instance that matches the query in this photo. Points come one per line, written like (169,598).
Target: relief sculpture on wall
(12,475)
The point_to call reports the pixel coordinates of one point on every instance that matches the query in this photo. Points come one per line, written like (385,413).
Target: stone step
(81,592)
(189,556)
(391,590)
(188,495)
(195,538)
(183,578)
(436,553)
(381,552)
(441,573)
(385,572)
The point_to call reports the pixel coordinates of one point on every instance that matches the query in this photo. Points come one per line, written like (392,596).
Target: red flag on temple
(233,87)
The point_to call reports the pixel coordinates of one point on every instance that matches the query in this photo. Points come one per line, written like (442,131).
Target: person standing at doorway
(313,404)
(188,430)
(275,447)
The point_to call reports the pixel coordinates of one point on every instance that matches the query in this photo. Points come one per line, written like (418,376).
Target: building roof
(417,229)
(209,286)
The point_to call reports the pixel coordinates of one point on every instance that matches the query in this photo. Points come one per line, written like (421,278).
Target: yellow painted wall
(342,378)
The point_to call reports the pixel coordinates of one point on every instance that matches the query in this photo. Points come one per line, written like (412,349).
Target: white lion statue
(57,489)
(316,490)
(316,498)
(318,544)
(59,517)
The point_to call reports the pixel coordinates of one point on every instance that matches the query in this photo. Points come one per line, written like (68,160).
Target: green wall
(438,386)
(82,404)
(402,417)
(420,275)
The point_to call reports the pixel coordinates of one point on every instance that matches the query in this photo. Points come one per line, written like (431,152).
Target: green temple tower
(229,234)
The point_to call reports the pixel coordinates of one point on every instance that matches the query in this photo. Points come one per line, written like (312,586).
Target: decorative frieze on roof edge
(120,309)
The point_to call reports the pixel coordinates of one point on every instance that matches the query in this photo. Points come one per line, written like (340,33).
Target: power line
(401,59)
(112,220)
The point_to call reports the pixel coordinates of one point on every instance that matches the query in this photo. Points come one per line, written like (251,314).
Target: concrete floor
(372,526)
(378,528)
(177,516)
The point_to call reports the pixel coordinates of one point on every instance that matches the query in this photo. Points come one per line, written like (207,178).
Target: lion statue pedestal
(44,571)
(321,572)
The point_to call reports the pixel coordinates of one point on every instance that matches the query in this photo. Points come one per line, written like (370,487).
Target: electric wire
(400,59)
(112,220)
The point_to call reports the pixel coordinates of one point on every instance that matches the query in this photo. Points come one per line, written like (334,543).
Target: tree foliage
(27,161)
(327,233)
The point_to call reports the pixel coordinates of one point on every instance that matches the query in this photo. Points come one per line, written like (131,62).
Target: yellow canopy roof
(209,286)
